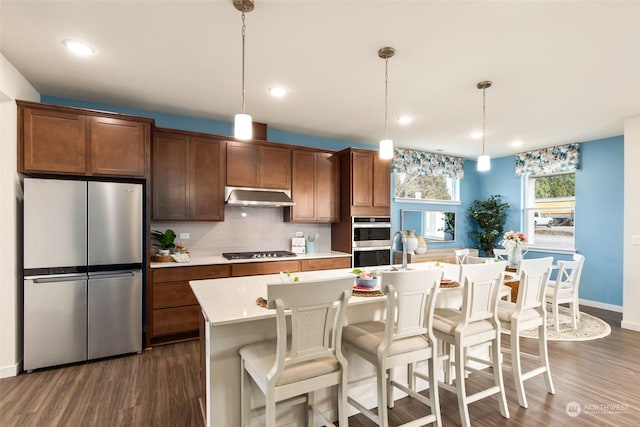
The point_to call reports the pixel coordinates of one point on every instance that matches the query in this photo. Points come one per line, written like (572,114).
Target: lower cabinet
(175,312)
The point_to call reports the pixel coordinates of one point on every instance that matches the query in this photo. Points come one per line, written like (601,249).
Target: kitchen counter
(219,259)
(232,319)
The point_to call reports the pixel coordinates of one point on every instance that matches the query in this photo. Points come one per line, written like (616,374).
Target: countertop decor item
(412,241)
(422,245)
(163,240)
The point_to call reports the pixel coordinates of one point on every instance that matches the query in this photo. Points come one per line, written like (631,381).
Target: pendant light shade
(386,144)
(243,127)
(386,149)
(484,161)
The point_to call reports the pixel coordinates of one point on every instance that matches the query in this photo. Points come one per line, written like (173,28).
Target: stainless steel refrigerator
(83,252)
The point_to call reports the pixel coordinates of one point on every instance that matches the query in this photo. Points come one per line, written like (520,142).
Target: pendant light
(386,144)
(243,127)
(484,161)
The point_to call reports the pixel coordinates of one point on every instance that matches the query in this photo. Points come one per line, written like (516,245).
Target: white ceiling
(562,71)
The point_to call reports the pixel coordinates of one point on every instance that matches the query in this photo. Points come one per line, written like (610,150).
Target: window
(412,185)
(549,212)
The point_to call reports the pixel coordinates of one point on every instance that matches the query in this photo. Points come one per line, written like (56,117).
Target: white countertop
(219,259)
(233,300)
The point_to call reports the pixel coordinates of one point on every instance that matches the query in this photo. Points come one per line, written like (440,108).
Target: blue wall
(599,195)
(599,213)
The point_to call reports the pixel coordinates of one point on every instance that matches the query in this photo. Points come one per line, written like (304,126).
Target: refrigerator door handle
(53,279)
(111,275)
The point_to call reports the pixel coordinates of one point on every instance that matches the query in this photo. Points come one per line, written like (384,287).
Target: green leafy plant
(164,240)
(490,216)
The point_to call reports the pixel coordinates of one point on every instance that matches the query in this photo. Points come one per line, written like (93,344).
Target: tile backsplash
(244,229)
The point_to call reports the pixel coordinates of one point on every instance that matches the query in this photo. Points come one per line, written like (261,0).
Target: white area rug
(589,328)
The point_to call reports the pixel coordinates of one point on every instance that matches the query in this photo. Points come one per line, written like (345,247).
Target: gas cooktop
(258,254)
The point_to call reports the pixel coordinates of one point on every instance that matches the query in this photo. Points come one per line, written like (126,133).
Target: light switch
(635,239)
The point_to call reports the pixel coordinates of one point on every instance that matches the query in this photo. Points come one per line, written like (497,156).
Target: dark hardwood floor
(161,387)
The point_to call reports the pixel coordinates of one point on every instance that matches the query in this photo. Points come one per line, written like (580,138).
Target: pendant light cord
(386,91)
(244,29)
(484,114)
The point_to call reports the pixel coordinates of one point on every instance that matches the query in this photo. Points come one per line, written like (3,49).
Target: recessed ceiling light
(277,91)
(405,120)
(516,143)
(476,135)
(79,48)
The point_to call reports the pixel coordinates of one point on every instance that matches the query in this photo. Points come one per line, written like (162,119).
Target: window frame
(529,209)
(455,194)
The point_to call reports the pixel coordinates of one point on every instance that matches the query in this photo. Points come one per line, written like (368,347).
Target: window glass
(549,213)
(422,187)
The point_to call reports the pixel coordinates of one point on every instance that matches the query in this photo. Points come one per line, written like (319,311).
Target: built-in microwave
(371,241)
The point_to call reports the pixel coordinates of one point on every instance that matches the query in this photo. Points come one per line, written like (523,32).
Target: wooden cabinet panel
(52,141)
(206,179)
(251,164)
(303,186)
(314,187)
(174,294)
(324,263)
(257,268)
(179,274)
(327,190)
(176,320)
(118,147)
(381,183)
(242,164)
(65,140)
(169,176)
(188,176)
(362,180)
(275,167)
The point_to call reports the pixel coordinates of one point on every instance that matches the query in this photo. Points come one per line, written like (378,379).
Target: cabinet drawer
(175,320)
(181,274)
(325,263)
(173,294)
(253,268)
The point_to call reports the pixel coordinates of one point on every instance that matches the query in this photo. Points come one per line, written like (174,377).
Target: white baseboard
(10,370)
(632,326)
(596,304)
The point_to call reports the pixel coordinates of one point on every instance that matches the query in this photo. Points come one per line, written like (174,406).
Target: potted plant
(490,216)
(163,240)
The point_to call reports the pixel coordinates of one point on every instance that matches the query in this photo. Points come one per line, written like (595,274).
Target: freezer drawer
(55,321)
(114,314)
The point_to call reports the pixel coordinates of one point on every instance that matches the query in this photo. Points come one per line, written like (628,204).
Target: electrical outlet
(184,235)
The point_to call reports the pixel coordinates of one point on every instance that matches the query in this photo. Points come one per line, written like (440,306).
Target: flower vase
(422,245)
(412,242)
(514,255)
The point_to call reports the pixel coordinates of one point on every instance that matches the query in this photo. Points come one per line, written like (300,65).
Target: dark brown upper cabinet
(314,187)
(258,165)
(188,176)
(74,141)
(365,184)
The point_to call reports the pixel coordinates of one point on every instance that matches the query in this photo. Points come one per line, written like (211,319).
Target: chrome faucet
(403,239)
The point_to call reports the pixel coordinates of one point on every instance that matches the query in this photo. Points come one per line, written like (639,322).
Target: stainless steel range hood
(242,196)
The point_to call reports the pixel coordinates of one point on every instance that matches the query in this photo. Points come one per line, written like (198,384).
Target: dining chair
(461,255)
(564,289)
(307,353)
(474,325)
(500,254)
(527,313)
(404,338)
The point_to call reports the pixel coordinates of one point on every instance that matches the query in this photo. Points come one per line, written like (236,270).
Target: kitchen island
(232,319)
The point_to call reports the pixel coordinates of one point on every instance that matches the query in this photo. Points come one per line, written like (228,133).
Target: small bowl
(367,283)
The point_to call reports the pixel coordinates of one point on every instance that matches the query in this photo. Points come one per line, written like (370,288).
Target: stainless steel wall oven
(371,241)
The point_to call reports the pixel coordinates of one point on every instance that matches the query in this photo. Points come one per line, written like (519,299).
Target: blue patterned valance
(423,163)
(563,158)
